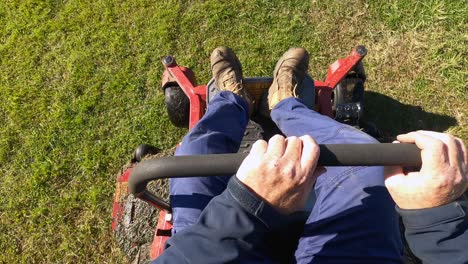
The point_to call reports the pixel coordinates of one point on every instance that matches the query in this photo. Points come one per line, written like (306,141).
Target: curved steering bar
(385,154)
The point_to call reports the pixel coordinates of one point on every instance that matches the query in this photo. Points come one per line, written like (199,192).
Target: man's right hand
(443,177)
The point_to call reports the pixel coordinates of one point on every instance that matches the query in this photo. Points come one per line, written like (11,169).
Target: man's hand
(282,171)
(443,177)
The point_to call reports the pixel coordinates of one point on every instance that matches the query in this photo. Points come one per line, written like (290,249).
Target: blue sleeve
(438,235)
(233,227)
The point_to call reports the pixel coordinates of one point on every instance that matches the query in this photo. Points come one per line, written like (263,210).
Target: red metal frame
(336,72)
(161,234)
(164,226)
(121,191)
(185,79)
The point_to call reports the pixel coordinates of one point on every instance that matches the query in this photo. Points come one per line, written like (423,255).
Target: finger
(276,146)
(310,153)
(407,138)
(396,179)
(259,148)
(432,149)
(459,153)
(293,149)
(462,148)
(252,160)
(441,136)
(449,140)
(463,164)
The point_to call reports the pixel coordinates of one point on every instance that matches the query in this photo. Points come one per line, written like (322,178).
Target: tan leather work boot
(289,72)
(227,72)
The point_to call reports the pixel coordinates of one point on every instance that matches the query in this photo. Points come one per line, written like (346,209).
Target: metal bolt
(361,50)
(168,217)
(168,60)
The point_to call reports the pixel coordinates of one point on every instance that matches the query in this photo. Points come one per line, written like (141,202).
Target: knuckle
(457,180)
(460,179)
(313,140)
(315,149)
(450,137)
(307,138)
(451,140)
(460,142)
(295,141)
(439,145)
(417,133)
(276,137)
(259,145)
(293,138)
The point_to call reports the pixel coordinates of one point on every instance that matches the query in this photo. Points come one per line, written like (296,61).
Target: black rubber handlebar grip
(385,154)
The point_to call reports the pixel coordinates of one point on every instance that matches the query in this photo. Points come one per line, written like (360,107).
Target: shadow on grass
(393,118)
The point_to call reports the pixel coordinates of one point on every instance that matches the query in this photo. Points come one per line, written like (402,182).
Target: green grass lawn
(80,89)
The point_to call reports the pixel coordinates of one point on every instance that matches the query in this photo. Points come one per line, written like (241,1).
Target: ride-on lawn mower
(340,96)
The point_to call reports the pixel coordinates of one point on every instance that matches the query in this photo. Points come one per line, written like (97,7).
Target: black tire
(177,106)
(351,88)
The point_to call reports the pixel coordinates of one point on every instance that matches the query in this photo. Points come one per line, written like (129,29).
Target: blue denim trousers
(353,218)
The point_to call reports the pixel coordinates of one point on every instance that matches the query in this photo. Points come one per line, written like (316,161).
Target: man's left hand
(282,171)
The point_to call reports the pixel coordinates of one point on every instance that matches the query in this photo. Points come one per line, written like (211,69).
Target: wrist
(427,217)
(254,204)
